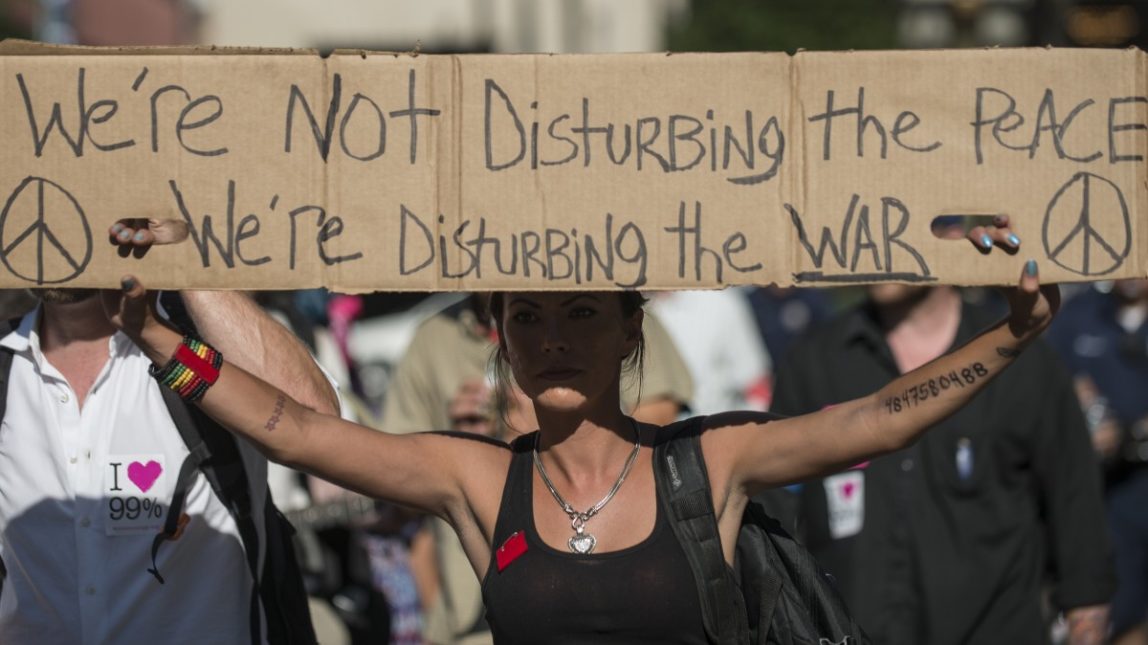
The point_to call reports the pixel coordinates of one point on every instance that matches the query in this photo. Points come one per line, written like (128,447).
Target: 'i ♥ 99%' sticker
(137,491)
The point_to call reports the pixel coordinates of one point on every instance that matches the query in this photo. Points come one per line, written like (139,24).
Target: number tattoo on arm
(933,387)
(277,413)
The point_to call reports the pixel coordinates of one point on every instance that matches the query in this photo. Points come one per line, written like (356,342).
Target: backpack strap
(6,356)
(278,584)
(213,452)
(683,483)
(762,584)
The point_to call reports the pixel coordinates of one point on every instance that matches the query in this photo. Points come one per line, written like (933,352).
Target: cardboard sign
(364,171)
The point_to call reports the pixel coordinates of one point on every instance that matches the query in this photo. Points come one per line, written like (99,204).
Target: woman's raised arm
(414,470)
(758,455)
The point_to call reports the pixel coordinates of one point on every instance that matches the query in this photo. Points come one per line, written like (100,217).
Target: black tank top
(642,594)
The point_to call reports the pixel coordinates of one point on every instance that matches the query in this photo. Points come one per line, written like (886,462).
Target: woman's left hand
(1032,306)
(135,236)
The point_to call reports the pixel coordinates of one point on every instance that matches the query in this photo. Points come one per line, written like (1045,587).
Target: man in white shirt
(89,457)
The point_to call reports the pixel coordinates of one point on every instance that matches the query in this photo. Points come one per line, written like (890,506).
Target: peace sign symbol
(46,205)
(1071,240)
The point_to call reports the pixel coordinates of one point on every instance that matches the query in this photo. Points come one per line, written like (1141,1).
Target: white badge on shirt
(135,493)
(845,493)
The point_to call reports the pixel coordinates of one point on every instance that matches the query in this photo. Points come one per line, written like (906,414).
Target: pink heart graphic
(847,489)
(144,475)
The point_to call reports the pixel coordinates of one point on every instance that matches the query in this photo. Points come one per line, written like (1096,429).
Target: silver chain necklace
(582,542)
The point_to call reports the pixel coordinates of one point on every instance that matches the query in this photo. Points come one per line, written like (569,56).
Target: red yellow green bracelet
(193,368)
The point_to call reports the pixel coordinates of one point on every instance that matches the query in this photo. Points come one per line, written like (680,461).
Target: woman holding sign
(565,526)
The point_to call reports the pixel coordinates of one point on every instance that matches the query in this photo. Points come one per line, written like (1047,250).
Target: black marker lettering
(407,216)
(248,227)
(644,144)
(690,135)
(322,137)
(225,249)
(329,230)
(1114,127)
(862,240)
(907,121)
(1006,120)
(380,122)
(97,113)
(488,121)
(413,113)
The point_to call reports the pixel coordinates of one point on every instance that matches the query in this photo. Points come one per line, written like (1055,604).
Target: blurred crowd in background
(383,572)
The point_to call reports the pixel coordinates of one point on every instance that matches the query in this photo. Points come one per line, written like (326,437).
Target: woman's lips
(559,373)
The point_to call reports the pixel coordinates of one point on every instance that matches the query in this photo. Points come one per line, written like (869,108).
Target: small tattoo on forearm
(1008,352)
(280,403)
(933,387)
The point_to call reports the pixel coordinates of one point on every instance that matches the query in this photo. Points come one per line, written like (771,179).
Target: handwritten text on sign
(636,171)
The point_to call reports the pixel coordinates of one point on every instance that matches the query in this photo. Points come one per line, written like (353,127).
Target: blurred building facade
(442,25)
(924,24)
(561,26)
(510,26)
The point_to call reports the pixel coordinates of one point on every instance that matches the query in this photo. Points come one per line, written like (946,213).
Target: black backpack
(776,592)
(214,452)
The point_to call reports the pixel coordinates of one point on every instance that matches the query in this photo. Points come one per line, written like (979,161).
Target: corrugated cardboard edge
(1140,250)
(18,47)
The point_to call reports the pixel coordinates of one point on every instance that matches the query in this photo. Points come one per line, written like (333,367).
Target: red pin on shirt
(514,546)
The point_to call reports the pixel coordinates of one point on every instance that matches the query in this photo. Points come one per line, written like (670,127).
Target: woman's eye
(523,317)
(582,312)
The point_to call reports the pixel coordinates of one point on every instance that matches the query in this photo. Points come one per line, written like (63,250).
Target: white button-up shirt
(82,494)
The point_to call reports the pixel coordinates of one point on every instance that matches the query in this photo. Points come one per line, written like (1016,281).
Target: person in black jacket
(947,540)
(1103,338)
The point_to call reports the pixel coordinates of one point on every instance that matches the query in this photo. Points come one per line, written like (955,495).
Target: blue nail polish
(124,235)
(140,236)
(117,228)
(986,241)
(1030,267)
(1014,240)
(127,284)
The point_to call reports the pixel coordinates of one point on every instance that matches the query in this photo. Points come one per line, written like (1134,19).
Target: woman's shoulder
(680,429)
(697,426)
(471,436)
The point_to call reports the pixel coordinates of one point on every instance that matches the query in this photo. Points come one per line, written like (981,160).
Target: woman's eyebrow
(579,296)
(524,301)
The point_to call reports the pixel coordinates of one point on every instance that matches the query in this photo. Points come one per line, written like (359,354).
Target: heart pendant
(582,543)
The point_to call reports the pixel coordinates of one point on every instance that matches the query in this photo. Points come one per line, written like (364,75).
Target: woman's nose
(554,340)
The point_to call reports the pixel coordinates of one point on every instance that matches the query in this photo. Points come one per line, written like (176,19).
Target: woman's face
(566,348)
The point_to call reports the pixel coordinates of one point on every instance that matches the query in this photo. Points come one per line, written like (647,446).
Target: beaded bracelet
(193,368)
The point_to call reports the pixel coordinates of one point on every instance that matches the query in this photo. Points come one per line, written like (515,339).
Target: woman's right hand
(128,309)
(132,310)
